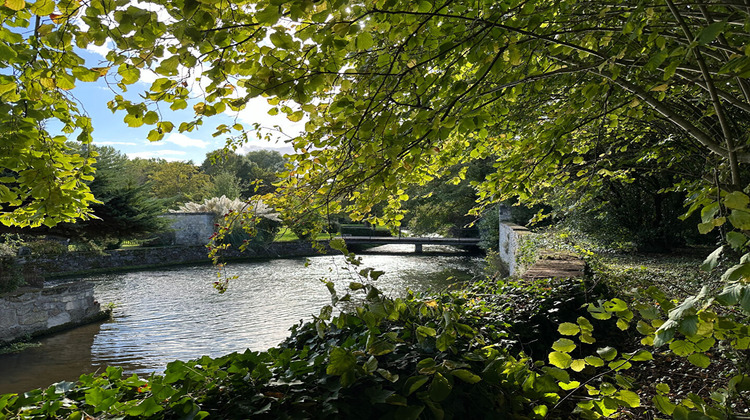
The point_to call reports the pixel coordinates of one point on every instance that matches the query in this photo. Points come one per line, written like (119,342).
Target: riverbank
(40,268)
(487,348)
(27,313)
(167,314)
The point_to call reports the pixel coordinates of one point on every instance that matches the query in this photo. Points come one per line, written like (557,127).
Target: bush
(10,272)
(47,247)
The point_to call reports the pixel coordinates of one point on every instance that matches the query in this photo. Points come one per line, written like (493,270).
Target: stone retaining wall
(30,312)
(135,258)
(508,245)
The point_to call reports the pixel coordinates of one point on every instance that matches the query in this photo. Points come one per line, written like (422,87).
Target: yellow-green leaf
(564,345)
(559,359)
(15,4)
(568,328)
(577,365)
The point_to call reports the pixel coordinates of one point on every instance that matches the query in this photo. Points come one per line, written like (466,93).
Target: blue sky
(109,128)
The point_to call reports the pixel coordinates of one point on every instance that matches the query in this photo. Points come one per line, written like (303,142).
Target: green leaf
(710,33)
(689,325)
(663,404)
(466,376)
(145,408)
(736,240)
(364,41)
(622,324)
(629,398)
(737,272)
(151,117)
(700,360)
(268,16)
(340,362)
(578,365)
(594,361)
(169,66)
(7,87)
(85,75)
(564,345)
(662,388)
(640,356)
(296,116)
(736,200)
(414,383)
(712,260)
(568,328)
(681,347)
(43,7)
(440,388)
(740,219)
(561,360)
(426,331)
(133,120)
(569,386)
(129,74)
(607,353)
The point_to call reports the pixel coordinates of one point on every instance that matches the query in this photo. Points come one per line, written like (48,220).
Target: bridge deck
(377,240)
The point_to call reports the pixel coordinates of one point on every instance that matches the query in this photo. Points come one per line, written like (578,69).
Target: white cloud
(185,141)
(162,154)
(101,50)
(278,126)
(115,143)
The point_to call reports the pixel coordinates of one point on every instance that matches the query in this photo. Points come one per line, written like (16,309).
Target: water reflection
(163,315)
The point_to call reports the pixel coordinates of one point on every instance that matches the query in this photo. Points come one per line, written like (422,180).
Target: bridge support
(418,248)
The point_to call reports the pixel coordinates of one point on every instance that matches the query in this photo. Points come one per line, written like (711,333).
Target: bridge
(416,241)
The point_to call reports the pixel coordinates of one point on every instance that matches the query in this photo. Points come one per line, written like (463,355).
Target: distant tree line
(134,192)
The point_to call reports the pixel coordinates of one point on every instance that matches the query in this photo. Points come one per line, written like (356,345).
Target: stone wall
(143,257)
(192,229)
(508,246)
(30,312)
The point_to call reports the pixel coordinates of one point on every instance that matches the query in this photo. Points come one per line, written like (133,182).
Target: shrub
(47,247)
(10,271)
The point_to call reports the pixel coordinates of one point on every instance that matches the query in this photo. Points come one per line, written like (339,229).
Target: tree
(179,182)
(125,209)
(255,170)
(395,92)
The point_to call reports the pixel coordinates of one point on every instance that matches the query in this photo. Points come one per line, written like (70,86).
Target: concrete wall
(508,246)
(29,312)
(192,229)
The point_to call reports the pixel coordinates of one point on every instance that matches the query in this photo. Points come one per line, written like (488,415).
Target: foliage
(10,272)
(256,171)
(225,184)
(125,210)
(442,206)
(643,214)
(438,356)
(570,96)
(179,182)
(46,247)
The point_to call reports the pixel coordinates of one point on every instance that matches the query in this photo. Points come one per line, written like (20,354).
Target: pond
(168,314)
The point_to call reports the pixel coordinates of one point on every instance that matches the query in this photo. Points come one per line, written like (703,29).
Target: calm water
(169,314)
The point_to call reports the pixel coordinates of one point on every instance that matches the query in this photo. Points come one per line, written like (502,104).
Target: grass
(18,347)
(286,235)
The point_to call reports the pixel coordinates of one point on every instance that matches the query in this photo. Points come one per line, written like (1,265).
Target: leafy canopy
(395,91)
